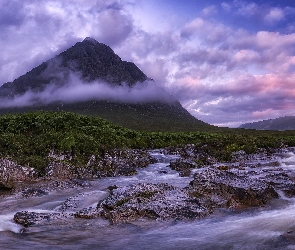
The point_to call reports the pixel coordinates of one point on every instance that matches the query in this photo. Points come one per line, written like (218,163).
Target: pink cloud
(245,56)
(211,32)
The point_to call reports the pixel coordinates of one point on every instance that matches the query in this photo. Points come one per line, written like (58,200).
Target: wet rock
(60,170)
(156,201)
(194,153)
(123,162)
(125,170)
(260,156)
(182,166)
(78,206)
(89,213)
(227,189)
(84,200)
(111,188)
(43,186)
(11,174)
(81,183)
(27,219)
(72,203)
(119,162)
(6,186)
(223,167)
(281,180)
(30,192)
(289,237)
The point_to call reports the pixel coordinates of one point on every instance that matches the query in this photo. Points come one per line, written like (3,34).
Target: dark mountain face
(93,62)
(281,123)
(98,61)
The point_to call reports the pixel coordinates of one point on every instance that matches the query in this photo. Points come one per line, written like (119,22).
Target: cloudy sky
(227,62)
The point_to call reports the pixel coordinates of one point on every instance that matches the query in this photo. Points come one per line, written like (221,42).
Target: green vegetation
(155,116)
(28,138)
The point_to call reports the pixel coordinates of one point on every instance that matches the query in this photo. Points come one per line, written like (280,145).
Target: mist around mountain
(281,123)
(87,71)
(89,78)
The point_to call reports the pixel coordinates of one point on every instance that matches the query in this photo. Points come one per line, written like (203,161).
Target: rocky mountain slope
(90,62)
(281,123)
(93,60)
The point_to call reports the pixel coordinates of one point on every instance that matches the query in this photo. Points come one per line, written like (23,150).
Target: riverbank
(172,188)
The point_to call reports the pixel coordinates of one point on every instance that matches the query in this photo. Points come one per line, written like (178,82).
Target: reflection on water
(258,228)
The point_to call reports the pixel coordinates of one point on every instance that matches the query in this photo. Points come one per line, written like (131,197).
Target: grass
(29,137)
(141,117)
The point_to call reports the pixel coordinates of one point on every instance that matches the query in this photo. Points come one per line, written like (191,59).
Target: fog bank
(77,90)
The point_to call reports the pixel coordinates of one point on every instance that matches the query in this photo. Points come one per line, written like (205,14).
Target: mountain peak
(90,39)
(97,61)
(92,60)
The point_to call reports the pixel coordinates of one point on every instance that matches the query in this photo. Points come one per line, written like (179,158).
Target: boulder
(227,189)
(194,153)
(30,192)
(11,174)
(4,186)
(27,219)
(155,201)
(117,162)
(61,170)
(89,213)
(280,180)
(182,166)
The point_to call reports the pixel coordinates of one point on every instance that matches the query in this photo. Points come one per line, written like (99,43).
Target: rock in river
(227,189)
(27,219)
(184,167)
(156,201)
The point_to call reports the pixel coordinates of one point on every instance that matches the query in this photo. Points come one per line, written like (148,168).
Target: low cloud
(77,90)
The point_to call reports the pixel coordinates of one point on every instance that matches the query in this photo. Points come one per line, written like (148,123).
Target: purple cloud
(227,62)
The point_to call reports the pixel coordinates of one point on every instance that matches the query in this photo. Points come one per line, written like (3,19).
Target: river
(256,228)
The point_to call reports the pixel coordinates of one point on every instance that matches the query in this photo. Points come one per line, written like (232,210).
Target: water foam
(7,224)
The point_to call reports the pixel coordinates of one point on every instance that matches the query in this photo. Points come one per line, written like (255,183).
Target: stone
(116,162)
(6,186)
(154,201)
(27,219)
(182,166)
(227,189)
(12,173)
(89,213)
(30,192)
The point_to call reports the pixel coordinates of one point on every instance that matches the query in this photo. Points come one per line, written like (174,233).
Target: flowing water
(257,228)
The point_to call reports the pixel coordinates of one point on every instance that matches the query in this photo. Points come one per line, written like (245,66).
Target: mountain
(93,60)
(89,78)
(281,123)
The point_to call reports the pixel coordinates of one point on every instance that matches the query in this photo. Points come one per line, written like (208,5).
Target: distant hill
(89,78)
(281,123)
